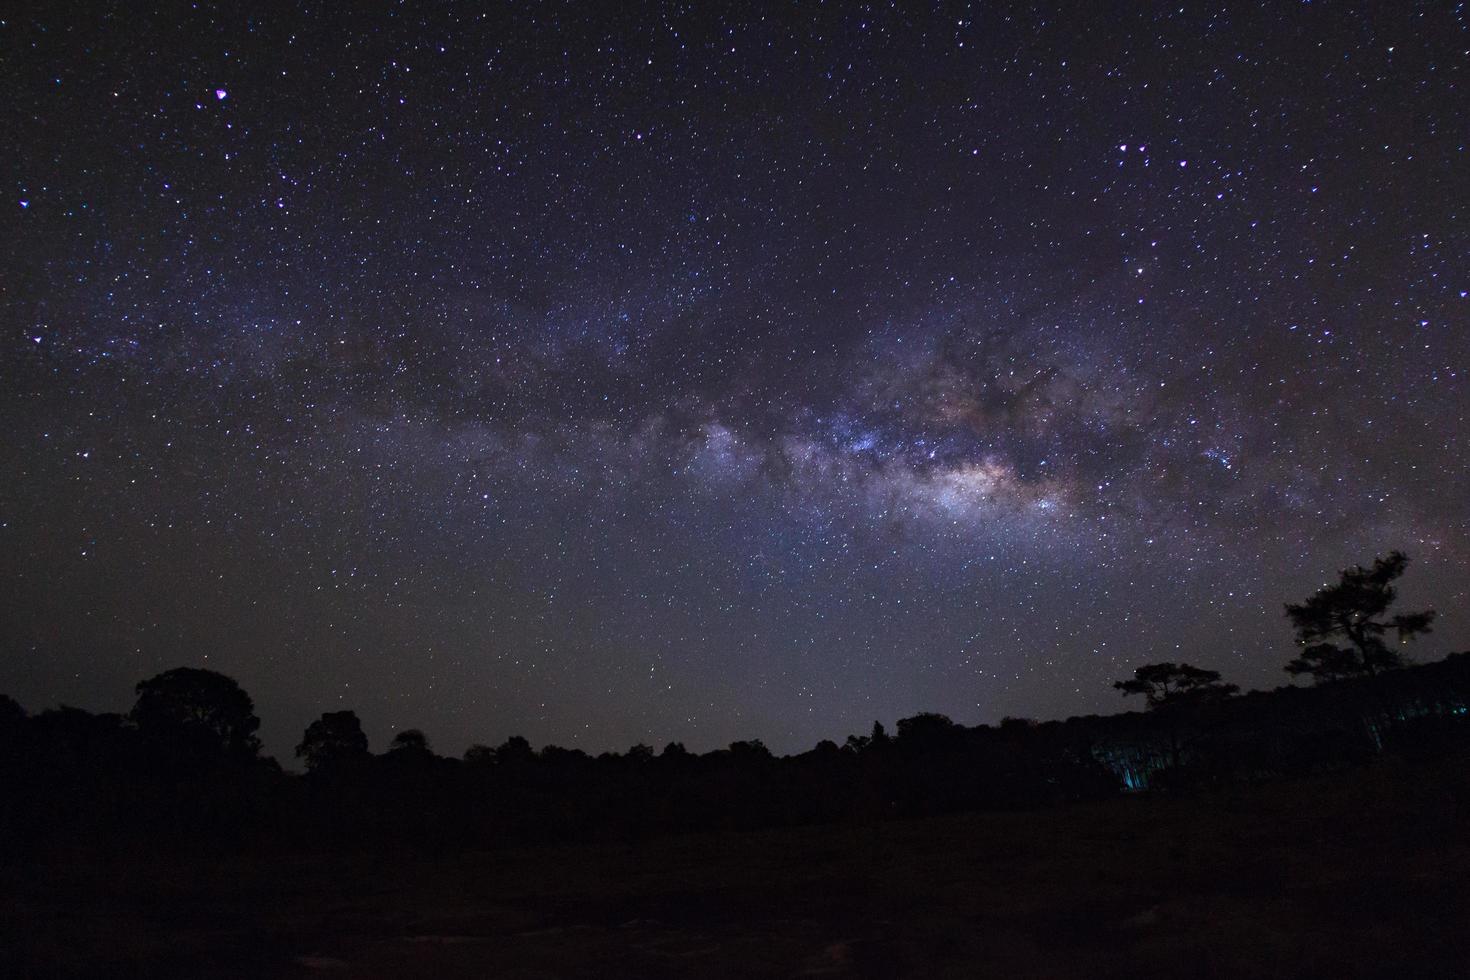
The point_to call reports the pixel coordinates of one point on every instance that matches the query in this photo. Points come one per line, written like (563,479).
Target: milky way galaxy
(609,373)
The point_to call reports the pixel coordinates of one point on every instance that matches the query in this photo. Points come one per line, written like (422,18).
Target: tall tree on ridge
(1341,628)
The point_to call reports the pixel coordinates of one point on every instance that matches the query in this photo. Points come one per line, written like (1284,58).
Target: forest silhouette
(183,768)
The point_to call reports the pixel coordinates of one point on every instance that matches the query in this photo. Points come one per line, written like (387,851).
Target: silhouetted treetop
(72,730)
(479,755)
(557,756)
(207,709)
(1341,628)
(1170,685)
(410,741)
(334,740)
(876,739)
(925,729)
(515,751)
(11,713)
(752,748)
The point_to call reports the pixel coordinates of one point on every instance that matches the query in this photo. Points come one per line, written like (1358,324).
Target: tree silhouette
(410,742)
(334,740)
(877,739)
(201,708)
(11,713)
(479,755)
(749,749)
(1172,690)
(927,729)
(1170,685)
(1341,628)
(826,748)
(515,751)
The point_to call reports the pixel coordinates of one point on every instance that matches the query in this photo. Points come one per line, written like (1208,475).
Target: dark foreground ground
(1356,875)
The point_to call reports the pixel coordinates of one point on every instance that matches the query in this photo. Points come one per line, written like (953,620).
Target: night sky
(605,374)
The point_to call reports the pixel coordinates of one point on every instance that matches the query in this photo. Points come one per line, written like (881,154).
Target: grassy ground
(1357,875)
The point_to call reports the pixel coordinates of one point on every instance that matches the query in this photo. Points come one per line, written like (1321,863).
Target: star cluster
(607,373)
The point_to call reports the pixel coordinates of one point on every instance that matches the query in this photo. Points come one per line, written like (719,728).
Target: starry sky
(608,373)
